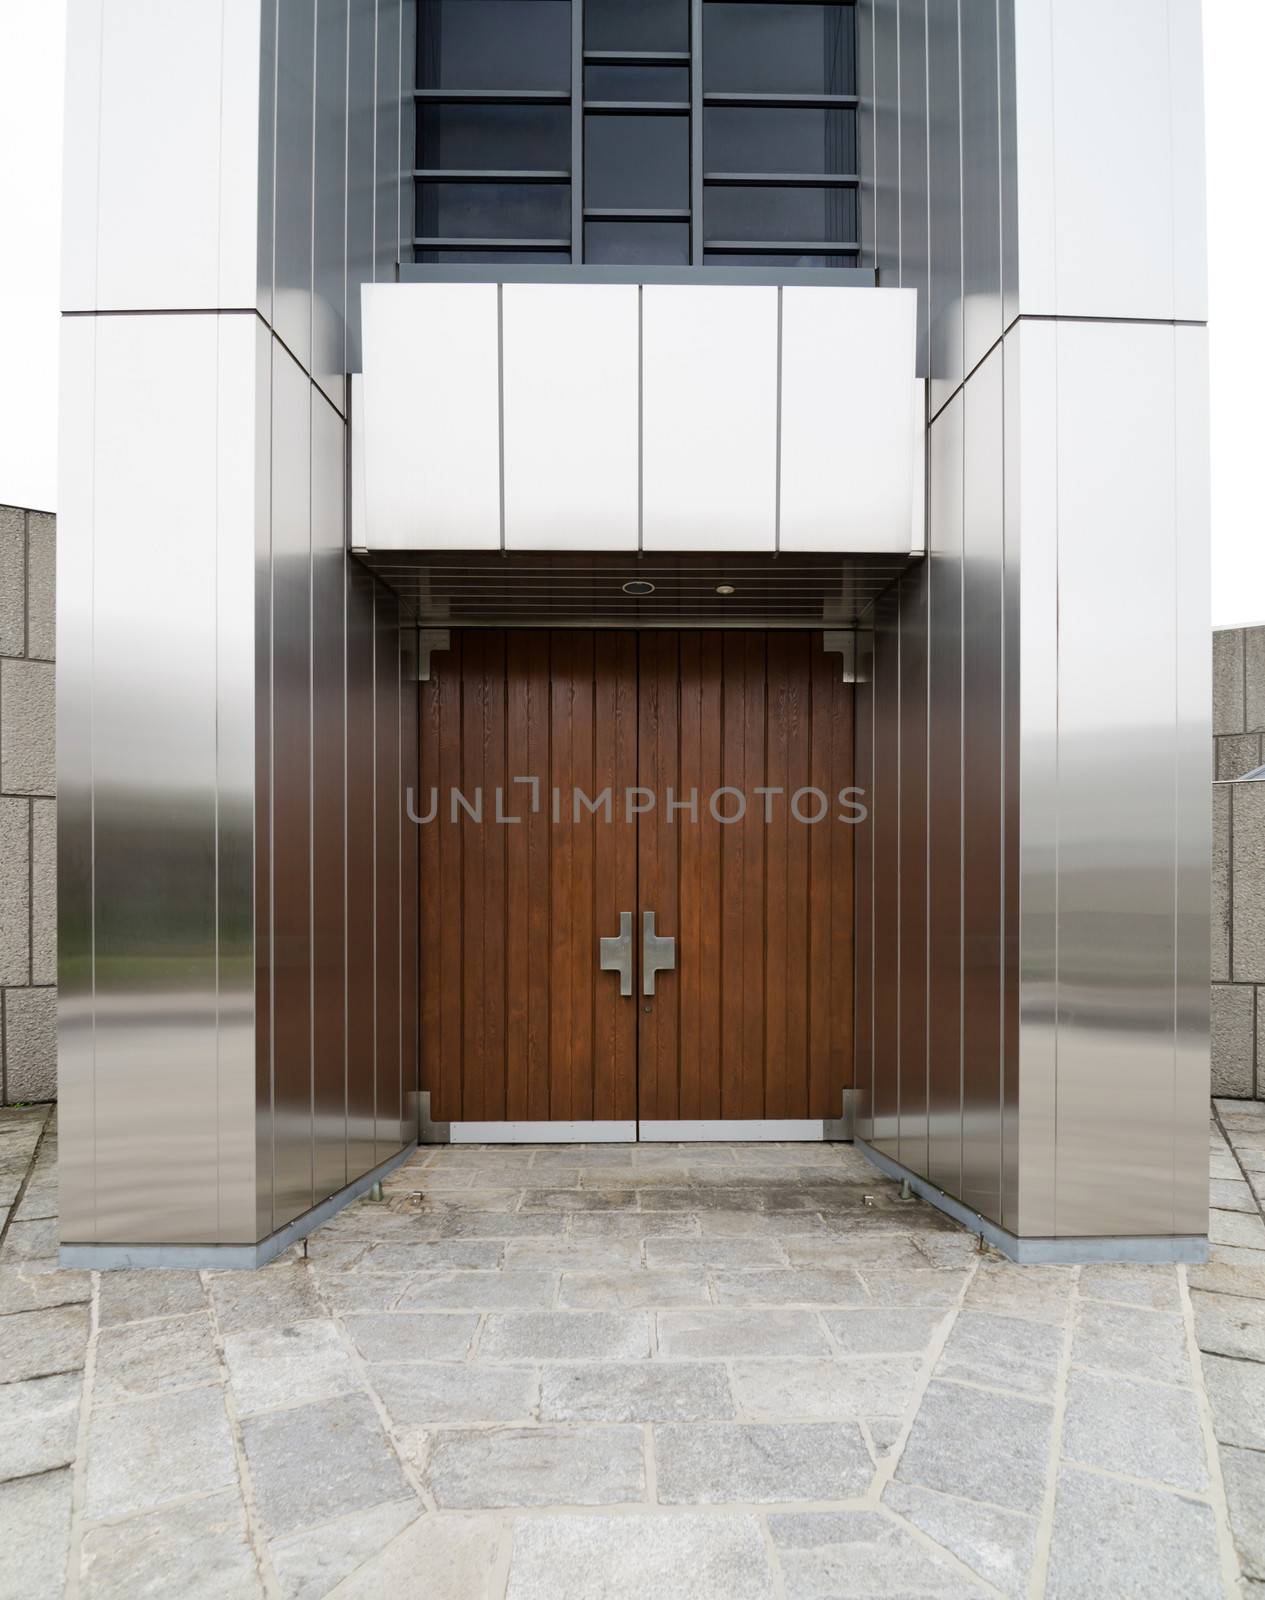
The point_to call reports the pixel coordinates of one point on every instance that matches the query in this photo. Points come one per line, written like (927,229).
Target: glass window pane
(494,210)
(773,139)
(636,244)
(778,49)
(494,44)
(485,138)
(487,258)
(810,215)
(636,25)
(637,83)
(747,258)
(637,163)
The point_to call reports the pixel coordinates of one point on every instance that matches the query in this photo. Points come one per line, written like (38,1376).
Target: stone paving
(728,1372)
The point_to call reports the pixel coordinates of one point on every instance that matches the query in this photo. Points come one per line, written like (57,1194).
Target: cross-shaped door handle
(658,952)
(616,955)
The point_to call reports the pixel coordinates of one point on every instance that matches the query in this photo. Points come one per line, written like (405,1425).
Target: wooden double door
(569,776)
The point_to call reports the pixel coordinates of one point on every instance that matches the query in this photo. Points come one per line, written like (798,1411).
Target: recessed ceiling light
(638,586)
(724,588)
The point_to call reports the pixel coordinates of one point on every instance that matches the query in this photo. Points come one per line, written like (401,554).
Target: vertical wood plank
(494,908)
(776,842)
(752,1000)
(562,1020)
(797,1097)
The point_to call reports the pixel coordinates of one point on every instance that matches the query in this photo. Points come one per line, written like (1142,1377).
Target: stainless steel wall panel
(1009,142)
(914,805)
(914,157)
(239,478)
(944,840)
(981,181)
(329,944)
(885,1100)
(982,776)
(1011,727)
(245,71)
(571,395)
(887,134)
(267,353)
(76,515)
(361,126)
(154,776)
(1194,742)
(291,782)
(1186,155)
(709,443)
(361,880)
(865,126)
(388,800)
(386,210)
(944,364)
(1117,820)
(265,188)
(329,227)
(863,985)
(1036,211)
(1032,466)
(84,22)
(292,177)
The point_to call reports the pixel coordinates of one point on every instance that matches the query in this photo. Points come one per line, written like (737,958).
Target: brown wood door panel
(756,1020)
(518,1024)
(517,1021)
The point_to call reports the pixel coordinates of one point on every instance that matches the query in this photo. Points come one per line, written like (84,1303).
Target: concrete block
(1237,754)
(1254,672)
(43,891)
(15,905)
(1233,1022)
(41,585)
(30,1044)
(1248,877)
(12,581)
(1221,797)
(1227,681)
(27,749)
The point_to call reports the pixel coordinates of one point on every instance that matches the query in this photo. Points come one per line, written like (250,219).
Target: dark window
(739,139)
(777,49)
(494,138)
(494,44)
(782,258)
(808,216)
(637,243)
(493,211)
(636,24)
(637,83)
(535,258)
(636,163)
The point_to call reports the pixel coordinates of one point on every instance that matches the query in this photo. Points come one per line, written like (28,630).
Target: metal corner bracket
(843,1128)
(429,640)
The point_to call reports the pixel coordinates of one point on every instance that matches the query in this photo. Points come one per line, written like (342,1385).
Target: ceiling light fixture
(724,588)
(638,586)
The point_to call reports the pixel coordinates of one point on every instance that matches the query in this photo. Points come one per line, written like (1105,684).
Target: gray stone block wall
(28,818)
(1238,864)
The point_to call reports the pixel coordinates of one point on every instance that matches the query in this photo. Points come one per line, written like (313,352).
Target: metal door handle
(658,952)
(616,955)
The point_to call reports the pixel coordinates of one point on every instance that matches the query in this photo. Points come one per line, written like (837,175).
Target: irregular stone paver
(585,1371)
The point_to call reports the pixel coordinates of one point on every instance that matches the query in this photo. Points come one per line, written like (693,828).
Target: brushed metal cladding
(1187,158)
(1009,141)
(79,173)
(865,127)
(1194,744)
(291,781)
(387,176)
(570,365)
(863,986)
(944,838)
(885,805)
(944,121)
(1011,900)
(361,791)
(268,352)
(1032,463)
(329,206)
(154,776)
(266,137)
(388,802)
(914,158)
(75,1067)
(709,409)
(981,180)
(328,872)
(887,135)
(982,771)
(913,816)
(293,177)
(1117,805)
(361,126)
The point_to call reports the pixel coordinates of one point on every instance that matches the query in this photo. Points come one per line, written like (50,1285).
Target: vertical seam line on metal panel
(1177,807)
(1003,830)
(215,803)
(311,642)
(777,465)
(373,232)
(641,408)
(272,785)
(500,405)
(962,803)
(577,131)
(373,726)
(399,872)
(1058,754)
(399,142)
(92,789)
(311,278)
(696,132)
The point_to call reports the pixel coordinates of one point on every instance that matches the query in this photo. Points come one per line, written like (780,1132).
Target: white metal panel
(432,427)
(1034,157)
(709,441)
(242,63)
(848,446)
(1187,161)
(570,365)
(542,1132)
(79,158)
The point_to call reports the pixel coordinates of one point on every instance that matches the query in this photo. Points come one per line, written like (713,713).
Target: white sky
(32,34)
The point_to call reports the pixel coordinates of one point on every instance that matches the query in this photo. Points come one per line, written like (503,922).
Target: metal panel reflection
(361,788)
(981,181)
(1117,821)
(912,148)
(329,251)
(709,375)
(388,799)
(913,816)
(292,195)
(570,362)
(291,821)
(885,1101)
(944,113)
